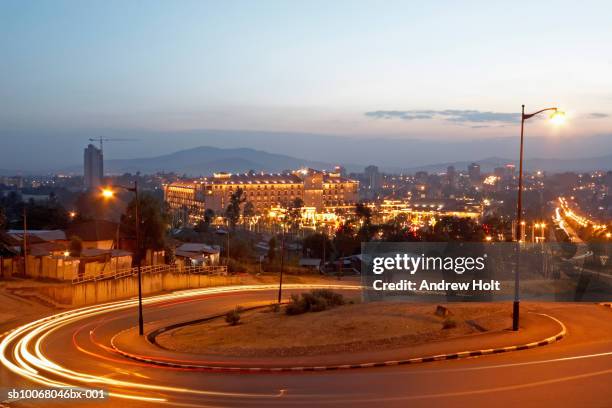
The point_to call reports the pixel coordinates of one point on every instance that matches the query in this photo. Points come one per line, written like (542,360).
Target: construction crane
(101,140)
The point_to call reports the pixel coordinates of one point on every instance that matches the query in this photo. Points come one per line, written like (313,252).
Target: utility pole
(228,244)
(25,241)
(282,263)
(324,245)
(138,245)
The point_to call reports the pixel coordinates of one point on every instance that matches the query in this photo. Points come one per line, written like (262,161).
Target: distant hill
(548,165)
(47,151)
(205,160)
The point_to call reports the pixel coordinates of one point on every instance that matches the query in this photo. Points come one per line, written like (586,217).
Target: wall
(107,290)
(10,267)
(54,268)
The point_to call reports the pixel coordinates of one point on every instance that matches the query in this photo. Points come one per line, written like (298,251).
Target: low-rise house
(310,263)
(38,242)
(99,234)
(196,254)
(95,262)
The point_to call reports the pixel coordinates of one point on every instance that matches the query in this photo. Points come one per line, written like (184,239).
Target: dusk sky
(395,69)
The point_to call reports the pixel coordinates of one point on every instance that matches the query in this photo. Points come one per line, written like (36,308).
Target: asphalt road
(75,349)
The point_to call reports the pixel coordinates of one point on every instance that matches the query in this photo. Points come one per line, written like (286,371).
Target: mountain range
(44,152)
(549,165)
(205,160)
(47,150)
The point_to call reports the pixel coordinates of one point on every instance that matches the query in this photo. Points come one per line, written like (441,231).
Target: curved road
(73,348)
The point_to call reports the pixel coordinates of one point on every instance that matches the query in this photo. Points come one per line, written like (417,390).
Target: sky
(406,69)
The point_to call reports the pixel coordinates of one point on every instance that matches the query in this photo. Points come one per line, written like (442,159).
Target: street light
(557,117)
(282,264)
(109,193)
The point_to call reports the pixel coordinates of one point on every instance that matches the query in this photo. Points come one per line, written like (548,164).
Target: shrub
(332,298)
(297,306)
(314,301)
(233,316)
(449,323)
(235,266)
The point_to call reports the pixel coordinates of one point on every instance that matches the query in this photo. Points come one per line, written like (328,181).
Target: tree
(364,215)
(209,215)
(456,229)
(294,213)
(203,225)
(169,255)
(2,218)
(232,212)
(346,241)
(44,216)
(154,221)
(397,230)
(76,246)
(271,249)
(89,207)
(248,211)
(315,243)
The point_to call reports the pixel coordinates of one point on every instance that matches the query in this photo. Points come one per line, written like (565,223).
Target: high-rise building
(373,178)
(451,176)
(474,172)
(93,169)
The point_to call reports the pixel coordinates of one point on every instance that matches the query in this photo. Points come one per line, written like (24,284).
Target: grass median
(351,327)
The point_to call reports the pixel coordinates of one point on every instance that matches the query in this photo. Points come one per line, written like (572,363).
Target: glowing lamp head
(558,117)
(108,193)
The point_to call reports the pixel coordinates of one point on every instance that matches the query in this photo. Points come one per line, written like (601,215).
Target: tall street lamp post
(109,193)
(557,117)
(282,264)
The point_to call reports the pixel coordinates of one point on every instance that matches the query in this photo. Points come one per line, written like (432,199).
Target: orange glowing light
(558,118)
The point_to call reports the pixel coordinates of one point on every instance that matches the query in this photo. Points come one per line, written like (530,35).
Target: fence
(152,269)
(10,267)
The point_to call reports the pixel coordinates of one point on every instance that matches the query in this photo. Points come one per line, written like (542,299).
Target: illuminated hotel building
(317,189)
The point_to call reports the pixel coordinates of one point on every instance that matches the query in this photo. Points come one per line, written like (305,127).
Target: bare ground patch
(348,328)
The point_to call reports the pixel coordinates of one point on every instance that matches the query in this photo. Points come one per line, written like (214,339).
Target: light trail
(25,345)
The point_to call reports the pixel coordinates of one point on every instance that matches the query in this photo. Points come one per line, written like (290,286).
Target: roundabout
(80,348)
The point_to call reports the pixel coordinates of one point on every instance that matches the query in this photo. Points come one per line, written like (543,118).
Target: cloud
(597,115)
(450,115)
(405,115)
